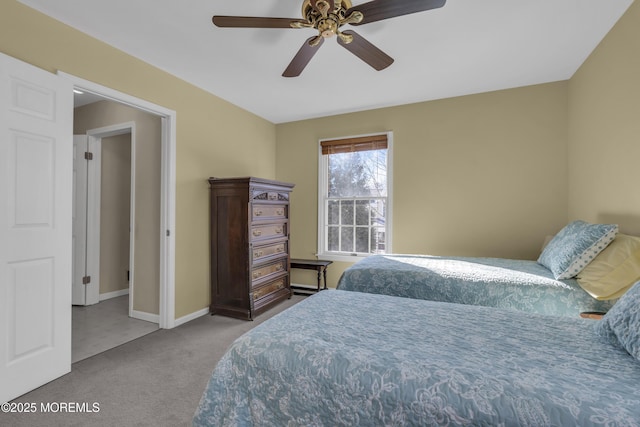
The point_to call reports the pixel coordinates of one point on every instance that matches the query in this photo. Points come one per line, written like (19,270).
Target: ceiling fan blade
(364,50)
(378,10)
(252,22)
(303,57)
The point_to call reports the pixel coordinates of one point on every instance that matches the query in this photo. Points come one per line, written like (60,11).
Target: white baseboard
(141,315)
(305,287)
(310,287)
(189,317)
(114,294)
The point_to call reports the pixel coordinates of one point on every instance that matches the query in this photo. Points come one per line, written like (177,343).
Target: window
(354,197)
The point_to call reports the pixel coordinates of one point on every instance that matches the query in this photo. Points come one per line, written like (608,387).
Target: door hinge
(86,280)
(88,155)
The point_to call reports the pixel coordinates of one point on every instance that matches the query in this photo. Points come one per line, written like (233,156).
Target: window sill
(341,258)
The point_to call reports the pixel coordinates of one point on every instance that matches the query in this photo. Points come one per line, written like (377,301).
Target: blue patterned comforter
(493,282)
(353,359)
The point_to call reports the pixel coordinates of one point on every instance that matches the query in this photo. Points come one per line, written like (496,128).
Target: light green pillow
(575,246)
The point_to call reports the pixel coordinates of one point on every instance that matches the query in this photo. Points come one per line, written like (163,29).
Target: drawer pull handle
(280,212)
(257,274)
(279,230)
(257,233)
(257,213)
(279,267)
(257,254)
(279,249)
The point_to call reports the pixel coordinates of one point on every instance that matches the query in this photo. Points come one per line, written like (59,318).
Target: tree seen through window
(356,201)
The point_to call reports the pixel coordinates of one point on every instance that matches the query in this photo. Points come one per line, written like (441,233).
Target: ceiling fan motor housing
(341,7)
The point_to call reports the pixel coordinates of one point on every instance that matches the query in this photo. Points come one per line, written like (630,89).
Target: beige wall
(115,209)
(480,175)
(604,130)
(146,228)
(214,138)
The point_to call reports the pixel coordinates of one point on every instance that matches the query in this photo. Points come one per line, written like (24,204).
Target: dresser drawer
(268,231)
(269,288)
(264,272)
(269,212)
(264,252)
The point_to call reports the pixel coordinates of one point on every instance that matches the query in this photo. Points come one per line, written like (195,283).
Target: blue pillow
(622,323)
(575,246)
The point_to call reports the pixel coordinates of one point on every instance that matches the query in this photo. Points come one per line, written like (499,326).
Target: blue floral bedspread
(354,359)
(493,282)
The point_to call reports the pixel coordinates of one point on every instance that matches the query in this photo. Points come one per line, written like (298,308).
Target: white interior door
(79,293)
(36,120)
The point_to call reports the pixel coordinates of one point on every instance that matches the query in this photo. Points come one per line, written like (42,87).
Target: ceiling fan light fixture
(328,27)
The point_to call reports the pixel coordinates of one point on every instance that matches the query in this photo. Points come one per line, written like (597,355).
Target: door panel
(30,290)
(30,181)
(36,110)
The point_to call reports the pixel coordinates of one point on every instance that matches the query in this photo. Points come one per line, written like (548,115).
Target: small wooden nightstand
(312,264)
(596,315)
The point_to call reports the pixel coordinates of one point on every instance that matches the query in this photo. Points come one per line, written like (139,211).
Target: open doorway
(133,144)
(103,218)
(109,309)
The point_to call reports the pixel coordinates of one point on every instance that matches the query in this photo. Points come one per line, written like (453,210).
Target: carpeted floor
(156,380)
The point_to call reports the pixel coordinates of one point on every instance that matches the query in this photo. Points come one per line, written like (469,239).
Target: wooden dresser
(249,228)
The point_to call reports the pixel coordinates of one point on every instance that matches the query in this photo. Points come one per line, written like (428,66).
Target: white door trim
(167,187)
(79,247)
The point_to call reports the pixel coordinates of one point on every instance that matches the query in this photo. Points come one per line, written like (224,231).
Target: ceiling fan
(328,17)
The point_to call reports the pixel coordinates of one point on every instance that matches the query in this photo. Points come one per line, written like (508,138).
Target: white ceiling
(466,47)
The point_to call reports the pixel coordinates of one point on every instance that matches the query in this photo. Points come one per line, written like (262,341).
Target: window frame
(323,181)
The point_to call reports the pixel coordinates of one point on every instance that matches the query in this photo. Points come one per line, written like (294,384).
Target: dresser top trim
(250,180)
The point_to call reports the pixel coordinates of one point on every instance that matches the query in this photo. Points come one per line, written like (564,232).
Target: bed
(345,359)
(584,268)
(494,282)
